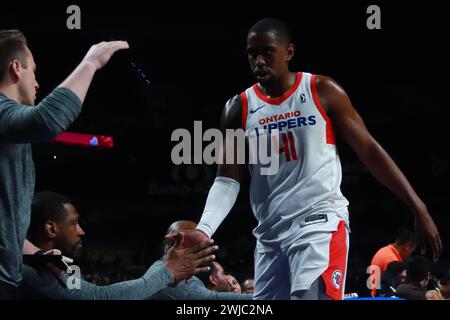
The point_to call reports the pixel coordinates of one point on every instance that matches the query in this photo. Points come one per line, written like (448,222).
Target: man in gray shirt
(193,289)
(55,225)
(22,123)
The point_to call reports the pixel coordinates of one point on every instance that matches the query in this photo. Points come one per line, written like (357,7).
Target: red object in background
(85,140)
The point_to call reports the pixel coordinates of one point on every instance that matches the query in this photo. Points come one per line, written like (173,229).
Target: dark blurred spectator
(233,284)
(417,277)
(248,286)
(215,279)
(395,275)
(105,281)
(404,245)
(442,290)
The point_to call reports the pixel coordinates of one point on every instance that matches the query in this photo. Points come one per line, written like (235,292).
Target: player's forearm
(220,201)
(384,169)
(80,79)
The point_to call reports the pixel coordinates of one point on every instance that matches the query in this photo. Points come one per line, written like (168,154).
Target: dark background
(194,56)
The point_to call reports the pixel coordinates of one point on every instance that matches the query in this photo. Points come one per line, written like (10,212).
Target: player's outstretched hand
(100,53)
(184,263)
(427,231)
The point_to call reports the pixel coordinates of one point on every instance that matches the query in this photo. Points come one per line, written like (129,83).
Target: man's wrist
(420,209)
(202,229)
(88,65)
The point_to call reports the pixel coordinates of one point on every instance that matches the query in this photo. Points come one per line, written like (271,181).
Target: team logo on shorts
(337,278)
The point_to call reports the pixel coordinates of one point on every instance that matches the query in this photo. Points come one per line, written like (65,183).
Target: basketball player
(303,224)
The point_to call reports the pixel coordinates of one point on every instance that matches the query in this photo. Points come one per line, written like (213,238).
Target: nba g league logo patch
(337,278)
(303,98)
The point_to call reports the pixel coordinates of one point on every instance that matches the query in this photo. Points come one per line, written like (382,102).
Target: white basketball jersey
(309,175)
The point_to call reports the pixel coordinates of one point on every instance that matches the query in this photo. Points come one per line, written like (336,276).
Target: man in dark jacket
(417,277)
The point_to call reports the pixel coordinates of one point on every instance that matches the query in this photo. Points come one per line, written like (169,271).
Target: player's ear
(212,279)
(173,238)
(50,229)
(290,51)
(15,70)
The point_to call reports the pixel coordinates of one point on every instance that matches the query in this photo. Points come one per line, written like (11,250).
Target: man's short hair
(13,45)
(417,268)
(405,236)
(395,268)
(204,276)
(46,206)
(272,25)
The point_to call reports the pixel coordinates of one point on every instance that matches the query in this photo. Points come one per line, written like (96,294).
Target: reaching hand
(184,263)
(187,238)
(426,230)
(100,53)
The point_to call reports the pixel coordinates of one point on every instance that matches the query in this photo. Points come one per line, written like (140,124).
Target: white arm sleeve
(221,198)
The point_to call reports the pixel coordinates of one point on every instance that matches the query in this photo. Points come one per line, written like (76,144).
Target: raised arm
(97,56)
(351,128)
(57,111)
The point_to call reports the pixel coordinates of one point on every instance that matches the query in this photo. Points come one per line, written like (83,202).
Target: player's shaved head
(181,225)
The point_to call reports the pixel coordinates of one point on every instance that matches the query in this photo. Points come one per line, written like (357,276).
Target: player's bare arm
(231,119)
(351,128)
